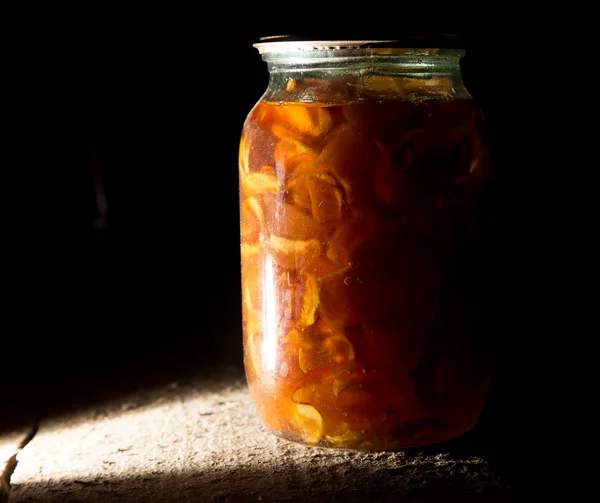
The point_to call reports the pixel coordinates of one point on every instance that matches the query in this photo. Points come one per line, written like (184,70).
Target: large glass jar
(362,170)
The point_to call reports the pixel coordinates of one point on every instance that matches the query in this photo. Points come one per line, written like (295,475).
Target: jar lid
(311,41)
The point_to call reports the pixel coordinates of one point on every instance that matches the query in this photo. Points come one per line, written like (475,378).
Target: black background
(149,107)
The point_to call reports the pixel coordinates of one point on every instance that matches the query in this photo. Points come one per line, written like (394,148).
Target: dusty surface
(199,440)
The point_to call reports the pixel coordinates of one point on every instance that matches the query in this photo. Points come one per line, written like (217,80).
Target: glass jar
(362,171)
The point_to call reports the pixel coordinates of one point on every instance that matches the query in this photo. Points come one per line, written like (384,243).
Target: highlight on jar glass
(362,171)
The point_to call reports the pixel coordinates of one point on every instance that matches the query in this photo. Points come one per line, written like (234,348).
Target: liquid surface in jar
(357,316)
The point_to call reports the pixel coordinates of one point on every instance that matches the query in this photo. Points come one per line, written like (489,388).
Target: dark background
(145,111)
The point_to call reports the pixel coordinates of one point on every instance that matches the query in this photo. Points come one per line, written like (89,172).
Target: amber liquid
(358,323)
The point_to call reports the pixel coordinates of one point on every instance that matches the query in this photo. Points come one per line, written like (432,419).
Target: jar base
(391,443)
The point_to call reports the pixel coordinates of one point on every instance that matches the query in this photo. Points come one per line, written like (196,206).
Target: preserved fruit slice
(251,276)
(319,267)
(303,120)
(291,253)
(286,221)
(348,438)
(333,349)
(289,153)
(298,193)
(307,337)
(348,157)
(310,423)
(257,183)
(326,198)
(317,193)
(336,299)
(244,154)
(316,395)
(252,220)
(252,352)
(310,302)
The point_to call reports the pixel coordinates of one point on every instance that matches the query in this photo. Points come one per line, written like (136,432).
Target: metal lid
(307,42)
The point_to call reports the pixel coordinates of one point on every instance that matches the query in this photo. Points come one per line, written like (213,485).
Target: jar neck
(351,74)
(407,62)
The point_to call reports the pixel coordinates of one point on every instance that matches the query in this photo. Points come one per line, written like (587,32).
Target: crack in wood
(11,465)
